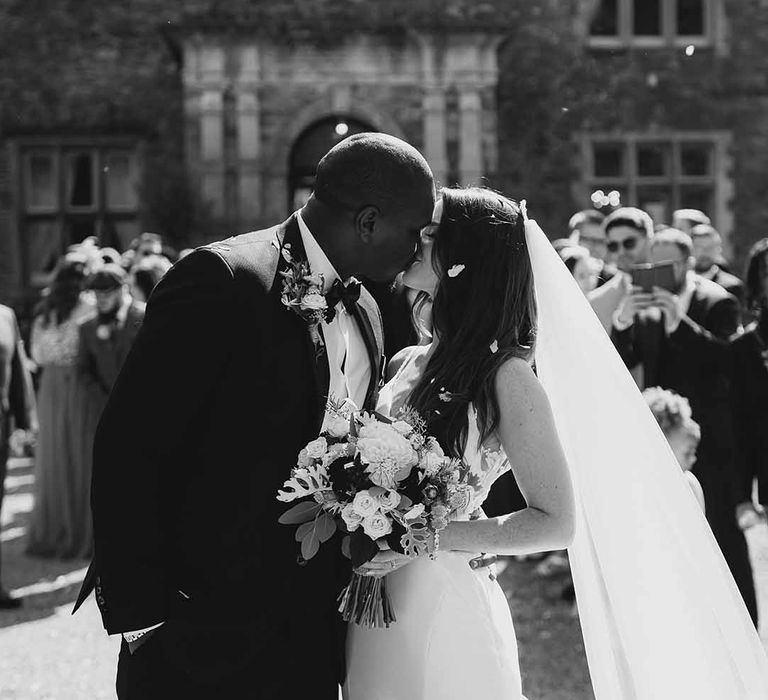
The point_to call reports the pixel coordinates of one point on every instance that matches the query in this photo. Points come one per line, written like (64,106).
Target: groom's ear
(365,222)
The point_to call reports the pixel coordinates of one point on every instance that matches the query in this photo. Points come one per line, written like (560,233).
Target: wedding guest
(17,407)
(673,414)
(145,275)
(61,522)
(685,219)
(680,341)
(106,337)
(586,229)
(628,232)
(708,251)
(582,266)
(750,392)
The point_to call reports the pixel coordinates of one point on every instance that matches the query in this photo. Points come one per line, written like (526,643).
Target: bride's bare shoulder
(401,357)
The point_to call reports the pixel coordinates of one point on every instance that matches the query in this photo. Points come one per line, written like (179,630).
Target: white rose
(431,463)
(364,504)
(313,302)
(351,517)
(402,427)
(317,448)
(377,526)
(390,499)
(336,426)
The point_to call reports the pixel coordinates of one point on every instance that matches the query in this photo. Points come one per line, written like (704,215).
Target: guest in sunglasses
(627,233)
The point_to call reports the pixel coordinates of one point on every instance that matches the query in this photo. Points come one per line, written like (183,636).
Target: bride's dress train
(453,638)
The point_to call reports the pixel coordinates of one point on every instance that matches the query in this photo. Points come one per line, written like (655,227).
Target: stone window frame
(57,216)
(713,36)
(719,179)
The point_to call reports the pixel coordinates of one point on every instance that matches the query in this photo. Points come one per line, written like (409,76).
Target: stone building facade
(198,118)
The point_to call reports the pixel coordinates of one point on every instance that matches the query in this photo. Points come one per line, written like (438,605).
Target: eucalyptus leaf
(345,547)
(309,547)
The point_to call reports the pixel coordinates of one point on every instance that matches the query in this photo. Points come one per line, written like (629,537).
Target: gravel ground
(46,654)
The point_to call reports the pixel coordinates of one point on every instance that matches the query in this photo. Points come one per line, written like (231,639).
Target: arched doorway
(313,143)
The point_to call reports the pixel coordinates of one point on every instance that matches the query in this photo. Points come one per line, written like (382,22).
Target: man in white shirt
(223,387)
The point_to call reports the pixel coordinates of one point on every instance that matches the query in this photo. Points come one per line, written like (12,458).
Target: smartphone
(650,275)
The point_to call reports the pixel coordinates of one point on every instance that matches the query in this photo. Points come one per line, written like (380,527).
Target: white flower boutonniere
(103,332)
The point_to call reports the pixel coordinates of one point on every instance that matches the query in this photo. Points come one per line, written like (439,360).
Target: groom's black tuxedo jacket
(220,391)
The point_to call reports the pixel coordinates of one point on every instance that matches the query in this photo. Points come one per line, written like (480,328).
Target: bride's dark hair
(483,312)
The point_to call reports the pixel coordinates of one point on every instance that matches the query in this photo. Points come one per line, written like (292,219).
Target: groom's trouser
(149,674)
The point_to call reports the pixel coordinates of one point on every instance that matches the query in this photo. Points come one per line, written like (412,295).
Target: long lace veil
(660,613)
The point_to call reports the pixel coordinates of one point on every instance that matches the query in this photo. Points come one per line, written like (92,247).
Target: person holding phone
(628,232)
(680,338)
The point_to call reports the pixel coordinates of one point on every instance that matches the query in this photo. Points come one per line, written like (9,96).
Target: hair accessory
(444,396)
(494,347)
(456,270)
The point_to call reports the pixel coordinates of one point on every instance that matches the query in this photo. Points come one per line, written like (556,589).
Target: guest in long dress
(750,393)
(61,517)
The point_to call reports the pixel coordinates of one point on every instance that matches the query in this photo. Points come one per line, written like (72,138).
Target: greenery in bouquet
(384,483)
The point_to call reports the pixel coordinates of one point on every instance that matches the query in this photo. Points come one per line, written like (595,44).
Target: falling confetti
(456,270)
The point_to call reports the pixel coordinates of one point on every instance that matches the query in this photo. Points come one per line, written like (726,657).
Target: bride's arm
(530,440)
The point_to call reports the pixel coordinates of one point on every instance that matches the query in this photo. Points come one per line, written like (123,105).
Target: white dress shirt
(348,362)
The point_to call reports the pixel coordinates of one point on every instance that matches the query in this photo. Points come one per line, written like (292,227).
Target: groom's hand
(383,563)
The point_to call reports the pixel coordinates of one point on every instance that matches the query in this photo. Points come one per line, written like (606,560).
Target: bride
(454,636)
(660,613)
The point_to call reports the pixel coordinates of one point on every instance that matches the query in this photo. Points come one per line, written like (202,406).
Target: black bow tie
(347,294)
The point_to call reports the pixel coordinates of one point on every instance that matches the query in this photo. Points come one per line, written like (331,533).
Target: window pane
(80,181)
(698,197)
(657,201)
(42,240)
(696,159)
(690,17)
(40,181)
(609,159)
(606,19)
(121,181)
(646,15)
(652,159)
(126,231)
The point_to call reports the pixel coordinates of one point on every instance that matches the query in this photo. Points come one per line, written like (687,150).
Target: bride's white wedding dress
(453,638)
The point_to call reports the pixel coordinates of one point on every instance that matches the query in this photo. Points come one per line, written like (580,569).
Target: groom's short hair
(371,168)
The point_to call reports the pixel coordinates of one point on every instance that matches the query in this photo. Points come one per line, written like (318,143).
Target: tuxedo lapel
(373,337)
(289,236)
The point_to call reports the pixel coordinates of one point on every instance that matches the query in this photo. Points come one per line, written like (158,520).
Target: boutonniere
(103,332)
(302,293)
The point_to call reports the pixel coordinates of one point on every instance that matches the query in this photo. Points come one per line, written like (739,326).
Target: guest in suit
(61,524)
(681,341)
(17,407)
(582,266)
(708,251)
(750,392)
(106,338)
(586,229)
(222,388)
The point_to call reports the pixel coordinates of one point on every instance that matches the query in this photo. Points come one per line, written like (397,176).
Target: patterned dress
(61,518)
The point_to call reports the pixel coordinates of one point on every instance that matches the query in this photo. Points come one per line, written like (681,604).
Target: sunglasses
(628,244)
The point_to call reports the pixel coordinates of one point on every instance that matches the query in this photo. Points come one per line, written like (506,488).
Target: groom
(223,387)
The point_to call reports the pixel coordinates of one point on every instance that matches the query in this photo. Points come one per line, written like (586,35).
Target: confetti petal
(494,346)
(456,270)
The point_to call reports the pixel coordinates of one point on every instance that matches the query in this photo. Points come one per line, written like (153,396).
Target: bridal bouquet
(385,484)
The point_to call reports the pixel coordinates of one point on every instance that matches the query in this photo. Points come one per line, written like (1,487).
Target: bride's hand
(383,563)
